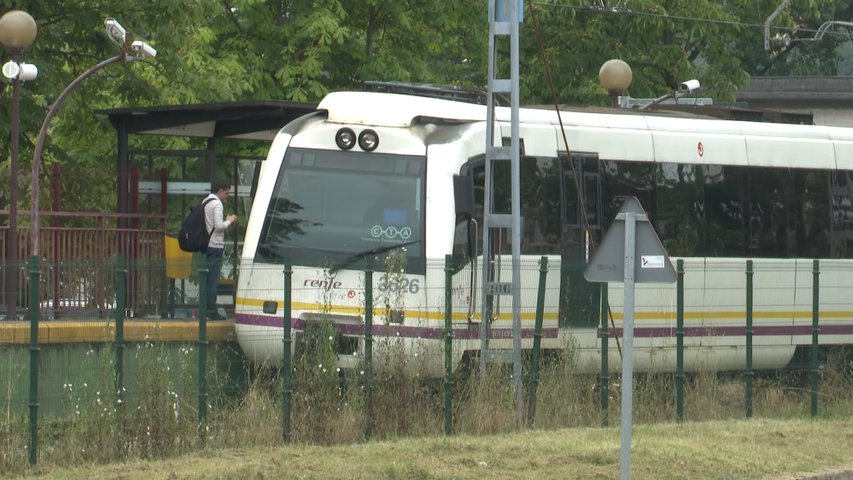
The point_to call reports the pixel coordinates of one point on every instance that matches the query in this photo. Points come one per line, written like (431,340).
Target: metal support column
(504,19)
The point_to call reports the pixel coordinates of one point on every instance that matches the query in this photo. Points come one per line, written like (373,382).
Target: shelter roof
(252,120)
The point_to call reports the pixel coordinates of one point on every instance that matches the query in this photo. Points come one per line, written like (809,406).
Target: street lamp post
(17,32)
(118,35)
(615,76)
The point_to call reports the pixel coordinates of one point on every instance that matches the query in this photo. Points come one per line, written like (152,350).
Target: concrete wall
(81,376)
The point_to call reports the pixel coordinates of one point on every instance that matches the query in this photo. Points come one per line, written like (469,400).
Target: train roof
(399,110)
(664,135)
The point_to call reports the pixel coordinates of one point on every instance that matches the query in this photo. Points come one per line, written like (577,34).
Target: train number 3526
(396,283)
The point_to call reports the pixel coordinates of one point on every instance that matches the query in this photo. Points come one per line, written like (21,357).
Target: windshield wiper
(373,251)
(281,254)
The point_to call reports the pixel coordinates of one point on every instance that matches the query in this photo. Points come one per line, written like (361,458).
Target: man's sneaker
(215,316)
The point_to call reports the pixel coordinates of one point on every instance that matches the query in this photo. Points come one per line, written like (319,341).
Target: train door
(581,232)
(469,233)
(540,213)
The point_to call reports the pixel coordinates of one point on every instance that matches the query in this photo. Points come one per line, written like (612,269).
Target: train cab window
(333,208)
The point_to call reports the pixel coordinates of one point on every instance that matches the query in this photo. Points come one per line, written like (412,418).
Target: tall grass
(159,415)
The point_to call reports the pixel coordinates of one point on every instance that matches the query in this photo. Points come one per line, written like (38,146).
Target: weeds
(156,414)
(159,417)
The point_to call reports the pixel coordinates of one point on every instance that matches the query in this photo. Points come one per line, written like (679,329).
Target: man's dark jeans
(214,265)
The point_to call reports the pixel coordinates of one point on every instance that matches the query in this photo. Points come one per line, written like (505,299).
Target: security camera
(28,71)
(143,50)
(115,31)
(689,86)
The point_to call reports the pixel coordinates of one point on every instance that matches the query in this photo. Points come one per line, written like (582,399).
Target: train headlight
(368,140)
(345,138)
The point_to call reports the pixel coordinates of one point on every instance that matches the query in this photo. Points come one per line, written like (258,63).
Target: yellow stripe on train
(668,316)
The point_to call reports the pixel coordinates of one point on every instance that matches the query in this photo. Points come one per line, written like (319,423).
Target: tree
(215,51)
(666,42)
(795,46)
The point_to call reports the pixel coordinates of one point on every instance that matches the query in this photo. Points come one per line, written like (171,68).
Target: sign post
(630,252)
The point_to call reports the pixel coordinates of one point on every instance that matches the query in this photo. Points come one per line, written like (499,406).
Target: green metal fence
(132,395)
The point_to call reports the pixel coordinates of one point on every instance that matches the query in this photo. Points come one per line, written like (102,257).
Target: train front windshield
(334,209)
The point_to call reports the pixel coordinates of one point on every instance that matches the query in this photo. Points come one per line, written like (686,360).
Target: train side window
(586,167)
(540,200)
(810,204)
(679,222)
(464,236)
(628,179)
(540,206)
(772,213)
(476,169)
(841,203)
(726,204)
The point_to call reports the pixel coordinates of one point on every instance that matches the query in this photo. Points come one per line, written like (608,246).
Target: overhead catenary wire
(732,23)
(581,204)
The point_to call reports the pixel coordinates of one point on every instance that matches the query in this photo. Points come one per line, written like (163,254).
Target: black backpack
(193,235)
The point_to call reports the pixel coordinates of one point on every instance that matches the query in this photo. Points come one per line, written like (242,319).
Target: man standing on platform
(216,223)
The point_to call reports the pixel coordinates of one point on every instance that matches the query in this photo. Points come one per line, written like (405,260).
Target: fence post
(202,348)
(537,340)
(368,353)
(120,300)
(34,357)
(679,343)
(750,373)
(287,341)
(448,345)
(605,369)
(815,331)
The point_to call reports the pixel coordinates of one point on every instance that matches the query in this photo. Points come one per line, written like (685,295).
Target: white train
(370,176)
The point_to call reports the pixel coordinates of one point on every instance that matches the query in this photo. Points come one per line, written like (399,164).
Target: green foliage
(212,51)
(668,41)
(159,420)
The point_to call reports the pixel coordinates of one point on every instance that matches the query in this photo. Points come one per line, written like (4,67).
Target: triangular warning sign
(651,262)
